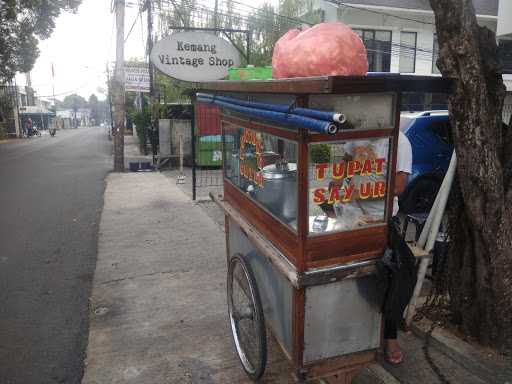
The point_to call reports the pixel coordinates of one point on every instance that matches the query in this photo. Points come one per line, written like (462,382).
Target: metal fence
(206,151)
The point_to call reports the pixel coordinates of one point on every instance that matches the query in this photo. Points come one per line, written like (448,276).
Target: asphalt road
(51,196)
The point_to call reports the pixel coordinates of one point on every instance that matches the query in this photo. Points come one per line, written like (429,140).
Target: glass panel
(407,52)
(264,167)
(505,55)
(435,56)
(378,49)
(382,62)
(347,184)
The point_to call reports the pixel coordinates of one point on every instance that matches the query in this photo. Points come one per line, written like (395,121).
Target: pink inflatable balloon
(326,49)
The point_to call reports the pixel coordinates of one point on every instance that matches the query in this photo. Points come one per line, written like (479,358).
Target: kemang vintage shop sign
(194,56)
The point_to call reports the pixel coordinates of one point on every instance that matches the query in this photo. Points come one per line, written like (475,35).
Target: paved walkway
(158,303)
(158,310)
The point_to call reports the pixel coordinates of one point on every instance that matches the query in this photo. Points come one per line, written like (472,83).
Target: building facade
(400,37)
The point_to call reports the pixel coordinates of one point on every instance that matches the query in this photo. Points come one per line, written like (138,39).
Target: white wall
(504,19)
(361,18)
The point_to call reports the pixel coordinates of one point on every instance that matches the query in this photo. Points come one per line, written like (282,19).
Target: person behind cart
(373,210)
(400,283)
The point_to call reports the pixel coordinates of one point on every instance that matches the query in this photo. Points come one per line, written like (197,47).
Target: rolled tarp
(313,113)
(319,126)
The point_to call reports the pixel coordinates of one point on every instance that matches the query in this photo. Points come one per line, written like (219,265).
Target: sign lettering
(194,56)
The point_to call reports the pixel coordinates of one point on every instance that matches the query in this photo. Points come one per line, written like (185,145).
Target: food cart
(308,167)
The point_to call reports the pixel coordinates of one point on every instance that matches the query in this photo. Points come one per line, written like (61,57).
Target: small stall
(308,167)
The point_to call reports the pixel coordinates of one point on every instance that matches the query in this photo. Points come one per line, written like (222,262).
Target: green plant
(320,153)
(3,131)
(142,121)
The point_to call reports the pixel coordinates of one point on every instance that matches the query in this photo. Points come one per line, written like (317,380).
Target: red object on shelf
(326,49)
(207,119)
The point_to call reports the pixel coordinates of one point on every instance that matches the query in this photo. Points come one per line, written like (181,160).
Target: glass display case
(306,210)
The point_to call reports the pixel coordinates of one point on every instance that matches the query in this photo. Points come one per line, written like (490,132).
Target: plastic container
(250,73)
(209,150)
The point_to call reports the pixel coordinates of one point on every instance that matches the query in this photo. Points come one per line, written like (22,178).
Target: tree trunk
(480,262)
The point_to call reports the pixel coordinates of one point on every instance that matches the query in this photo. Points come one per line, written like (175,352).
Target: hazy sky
(80,47)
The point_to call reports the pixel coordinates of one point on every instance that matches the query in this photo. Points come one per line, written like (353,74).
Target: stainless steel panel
(365,111)
(342,317)
(275,291)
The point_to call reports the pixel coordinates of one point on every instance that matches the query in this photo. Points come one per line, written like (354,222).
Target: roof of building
(482,7)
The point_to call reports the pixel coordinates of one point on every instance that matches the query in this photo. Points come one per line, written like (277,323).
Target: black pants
(390,328)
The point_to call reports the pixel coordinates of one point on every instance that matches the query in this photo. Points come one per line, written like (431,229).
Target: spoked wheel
(246,317)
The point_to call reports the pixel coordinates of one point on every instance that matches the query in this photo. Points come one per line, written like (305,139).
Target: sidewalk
(158,307)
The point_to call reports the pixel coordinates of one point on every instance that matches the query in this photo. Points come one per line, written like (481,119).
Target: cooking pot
(279,192)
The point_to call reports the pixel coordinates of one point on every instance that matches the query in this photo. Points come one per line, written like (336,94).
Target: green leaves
(21,23)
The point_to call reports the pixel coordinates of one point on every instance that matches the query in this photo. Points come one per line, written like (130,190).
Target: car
(429,133)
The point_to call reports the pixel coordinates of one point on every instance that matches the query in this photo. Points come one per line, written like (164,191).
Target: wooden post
(118,88)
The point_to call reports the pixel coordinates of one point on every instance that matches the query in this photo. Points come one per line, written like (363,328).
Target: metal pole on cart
(429,234)
(193,129)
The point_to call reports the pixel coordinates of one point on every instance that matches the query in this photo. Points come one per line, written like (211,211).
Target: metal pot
(279,192)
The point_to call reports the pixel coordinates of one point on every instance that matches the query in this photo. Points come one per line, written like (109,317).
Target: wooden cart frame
(307,260)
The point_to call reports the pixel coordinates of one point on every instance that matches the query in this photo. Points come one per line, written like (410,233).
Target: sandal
(394,357)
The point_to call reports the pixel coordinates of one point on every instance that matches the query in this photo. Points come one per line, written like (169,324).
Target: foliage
(170,90)
(74,102)
(21,24)
(3,130)
(266,23)
(320,153)
(97,110)
(142,121)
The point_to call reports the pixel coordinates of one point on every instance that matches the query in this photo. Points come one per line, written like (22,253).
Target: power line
(248,18)
(378,12)
(401,49)
(259,10)
(133,25)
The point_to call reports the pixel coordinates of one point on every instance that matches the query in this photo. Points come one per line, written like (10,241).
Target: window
(407,52)
(264,167)
(505,55)
(442,129)
(378,49)
(435,56)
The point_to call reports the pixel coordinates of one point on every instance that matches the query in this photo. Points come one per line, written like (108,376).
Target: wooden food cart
(306,201)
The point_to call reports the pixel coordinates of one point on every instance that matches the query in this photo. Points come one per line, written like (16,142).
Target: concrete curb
(475,361)
(384,376)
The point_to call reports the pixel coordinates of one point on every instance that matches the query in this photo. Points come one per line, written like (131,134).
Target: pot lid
(274,172)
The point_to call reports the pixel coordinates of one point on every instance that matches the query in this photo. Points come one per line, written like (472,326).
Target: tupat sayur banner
(136,77)
(194,56)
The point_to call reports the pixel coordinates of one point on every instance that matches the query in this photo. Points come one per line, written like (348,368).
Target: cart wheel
(246,317)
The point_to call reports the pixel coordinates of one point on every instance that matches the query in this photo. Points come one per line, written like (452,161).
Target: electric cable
(133,25)
(379,12)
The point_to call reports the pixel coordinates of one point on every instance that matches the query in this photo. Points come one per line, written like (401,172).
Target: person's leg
(392,349)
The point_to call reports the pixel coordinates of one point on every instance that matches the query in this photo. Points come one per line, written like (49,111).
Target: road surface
(51,196)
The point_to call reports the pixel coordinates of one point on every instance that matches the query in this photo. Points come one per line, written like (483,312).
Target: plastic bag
(326,49)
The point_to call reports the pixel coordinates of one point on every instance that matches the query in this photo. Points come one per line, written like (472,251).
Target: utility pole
(216,16)
(109,95)
(152,106)
(118,88)
(55,121)
(150,47)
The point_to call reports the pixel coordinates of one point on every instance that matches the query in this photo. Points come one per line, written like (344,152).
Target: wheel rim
(244,317)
